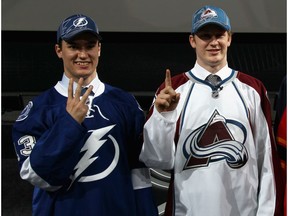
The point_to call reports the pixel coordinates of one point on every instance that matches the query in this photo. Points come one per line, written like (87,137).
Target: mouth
(82,63)
(214,51)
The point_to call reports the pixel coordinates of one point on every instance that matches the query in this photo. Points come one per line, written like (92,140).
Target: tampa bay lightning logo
(214,142)
(92,145)
(80,22)
(24,114)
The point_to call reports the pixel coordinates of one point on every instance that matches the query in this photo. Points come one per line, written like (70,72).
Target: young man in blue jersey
(214,132)
(81,151)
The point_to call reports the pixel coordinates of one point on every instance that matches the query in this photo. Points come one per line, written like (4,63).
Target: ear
(58,50)
(99,49)
(229,39)
(192,41)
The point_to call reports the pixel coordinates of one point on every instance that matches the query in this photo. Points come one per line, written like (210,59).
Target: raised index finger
(168,78)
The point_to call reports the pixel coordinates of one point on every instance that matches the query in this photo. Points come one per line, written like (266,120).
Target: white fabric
(27,173)
(215,188)
(141,178)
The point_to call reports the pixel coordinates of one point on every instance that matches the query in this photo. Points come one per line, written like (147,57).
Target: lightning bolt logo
(92,145)
(80,22)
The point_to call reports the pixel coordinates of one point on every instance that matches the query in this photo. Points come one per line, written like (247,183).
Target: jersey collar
(62,86)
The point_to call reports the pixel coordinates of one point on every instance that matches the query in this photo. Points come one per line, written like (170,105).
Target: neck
(212,68)
(88,80)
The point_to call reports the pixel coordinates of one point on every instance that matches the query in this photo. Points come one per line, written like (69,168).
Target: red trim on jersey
(266,107)
(282,130)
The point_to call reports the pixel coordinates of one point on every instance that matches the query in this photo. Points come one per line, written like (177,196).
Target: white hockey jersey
(219,148)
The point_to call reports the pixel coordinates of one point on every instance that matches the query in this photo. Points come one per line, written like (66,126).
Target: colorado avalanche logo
(208,14)
(214,142)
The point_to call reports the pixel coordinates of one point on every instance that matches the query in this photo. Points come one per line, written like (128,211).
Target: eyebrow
(87,42)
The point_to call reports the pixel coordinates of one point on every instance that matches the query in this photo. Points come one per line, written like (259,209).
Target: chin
(88,75)
(84,72)
(216,61)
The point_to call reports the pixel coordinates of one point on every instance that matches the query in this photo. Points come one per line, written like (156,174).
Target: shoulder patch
(24,114)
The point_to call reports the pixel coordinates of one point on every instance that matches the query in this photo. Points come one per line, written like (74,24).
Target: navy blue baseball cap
(76,24)
(210,15)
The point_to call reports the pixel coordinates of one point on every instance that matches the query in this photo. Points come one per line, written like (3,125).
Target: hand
(75,107)
(167,99)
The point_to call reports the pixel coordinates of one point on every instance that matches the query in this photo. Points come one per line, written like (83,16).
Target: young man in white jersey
(214,132)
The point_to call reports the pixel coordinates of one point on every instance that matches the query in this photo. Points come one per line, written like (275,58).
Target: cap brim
(225,27)
(72,35)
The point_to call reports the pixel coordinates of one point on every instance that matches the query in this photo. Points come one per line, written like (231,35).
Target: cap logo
(80,22)
(208,14)
(76,24)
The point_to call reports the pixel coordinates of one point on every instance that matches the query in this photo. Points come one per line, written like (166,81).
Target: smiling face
(80,56)
(211,44)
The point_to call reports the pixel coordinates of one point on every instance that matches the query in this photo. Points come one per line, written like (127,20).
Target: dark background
(135,62)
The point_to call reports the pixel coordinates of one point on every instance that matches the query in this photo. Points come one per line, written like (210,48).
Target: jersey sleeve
(158,150)
(271,186)
(276,168)
(47,147)
(160,130)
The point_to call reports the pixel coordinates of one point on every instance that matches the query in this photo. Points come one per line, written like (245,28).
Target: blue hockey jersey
(88,169)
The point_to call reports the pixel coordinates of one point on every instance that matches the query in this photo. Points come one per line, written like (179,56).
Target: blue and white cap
(210,15)
(76,24)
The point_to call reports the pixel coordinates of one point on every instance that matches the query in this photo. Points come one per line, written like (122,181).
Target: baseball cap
(210,15)
(76,24)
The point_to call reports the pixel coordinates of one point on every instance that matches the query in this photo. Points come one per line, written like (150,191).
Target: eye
(220,35)
(91,46)
(204,36)
(71,46)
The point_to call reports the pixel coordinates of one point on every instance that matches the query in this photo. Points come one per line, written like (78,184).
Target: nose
(82,53)
(214,40)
